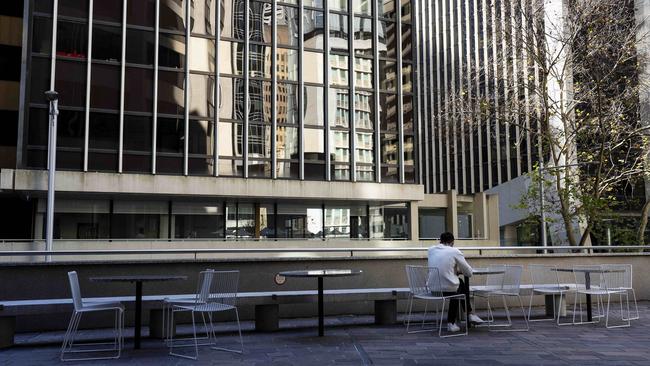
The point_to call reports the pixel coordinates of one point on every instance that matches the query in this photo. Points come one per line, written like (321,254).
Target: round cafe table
(138,279)
(320,274)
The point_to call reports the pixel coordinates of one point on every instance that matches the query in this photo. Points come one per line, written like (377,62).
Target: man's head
(447,238)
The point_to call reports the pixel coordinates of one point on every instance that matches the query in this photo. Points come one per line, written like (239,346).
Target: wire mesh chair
(80,308)
(168,304)
(626,282)
(510,283)
(546,281)
(424,283)
(602,281)
(221,296)
(408,319)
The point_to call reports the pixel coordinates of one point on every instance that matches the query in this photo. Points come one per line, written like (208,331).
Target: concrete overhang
(168,185)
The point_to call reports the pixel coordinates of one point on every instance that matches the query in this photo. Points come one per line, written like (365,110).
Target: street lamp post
(53,99)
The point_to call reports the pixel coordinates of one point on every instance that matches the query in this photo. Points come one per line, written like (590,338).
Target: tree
(580,101)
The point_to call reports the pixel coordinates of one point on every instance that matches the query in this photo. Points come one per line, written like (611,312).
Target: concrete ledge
(148,184)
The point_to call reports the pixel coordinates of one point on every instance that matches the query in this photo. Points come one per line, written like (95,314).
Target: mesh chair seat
(99,306)
(208,307)
(551,290)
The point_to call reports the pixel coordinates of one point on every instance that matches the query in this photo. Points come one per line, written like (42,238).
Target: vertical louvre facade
(316,90)
(472,49)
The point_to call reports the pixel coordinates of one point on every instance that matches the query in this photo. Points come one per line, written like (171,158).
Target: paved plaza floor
(353,340)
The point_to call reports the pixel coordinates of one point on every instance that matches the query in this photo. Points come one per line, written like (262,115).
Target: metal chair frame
(220,296)
(546,281)
(168,304)
(605,281)
(80,308)
(424,283)
(506,284)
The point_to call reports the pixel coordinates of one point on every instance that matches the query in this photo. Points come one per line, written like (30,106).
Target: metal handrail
(350,250)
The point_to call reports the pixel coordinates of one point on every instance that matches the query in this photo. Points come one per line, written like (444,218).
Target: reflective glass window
(231,56)
(312,29)
(259,96)
(362,6)
(232,19)
(231,98)
(230,139)
(286,142)
(259,141)
(287,64)
(260,27)
(339,106)
(388,112)
(339,66)
(171,51)
(201,139)
(202,88)
(172,15)
(39,79)
(203,13)
(338,5)
(387,75)
(171,135)
(287,26)
(73,8)
(287,107)
(386,8)
(363,36)
(313,70)
(171,86)
(389,149)
(259,61)
(314,104)
(364,110)
(203,54)
(387,39)
(338,39)
(314,144)
(363,73)
(137,144)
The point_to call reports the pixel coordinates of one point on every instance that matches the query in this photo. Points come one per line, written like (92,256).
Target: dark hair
(446,237)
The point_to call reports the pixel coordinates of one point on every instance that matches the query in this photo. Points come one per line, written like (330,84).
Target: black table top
(588,270)
(486,271)
(137,278)
(322,273)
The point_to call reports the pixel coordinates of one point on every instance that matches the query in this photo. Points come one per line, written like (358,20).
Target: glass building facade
(305,90)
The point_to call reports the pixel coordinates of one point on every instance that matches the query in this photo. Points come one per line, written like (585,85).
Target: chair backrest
(617,276)
(494,281)
(512,279)
(588,275)
(424,280)
(204,286)
(543,276)
(76,291)
(224,287)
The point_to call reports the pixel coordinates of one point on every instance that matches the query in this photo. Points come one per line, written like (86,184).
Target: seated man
(450,262)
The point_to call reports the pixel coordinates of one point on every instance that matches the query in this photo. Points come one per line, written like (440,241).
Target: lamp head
(51,95)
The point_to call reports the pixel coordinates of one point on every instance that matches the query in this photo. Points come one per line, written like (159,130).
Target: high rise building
(220,119)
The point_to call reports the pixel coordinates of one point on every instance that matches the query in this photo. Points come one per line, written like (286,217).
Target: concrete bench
(266,306)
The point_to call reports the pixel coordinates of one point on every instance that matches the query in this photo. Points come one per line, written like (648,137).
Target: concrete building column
(452,212)
(493,233)
(480,216)
(414,220)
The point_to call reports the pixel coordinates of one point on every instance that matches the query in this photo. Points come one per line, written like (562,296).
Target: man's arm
(462,264)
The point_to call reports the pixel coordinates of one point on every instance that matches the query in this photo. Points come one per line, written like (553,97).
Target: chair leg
(241,339)
(408,318)
(636,307)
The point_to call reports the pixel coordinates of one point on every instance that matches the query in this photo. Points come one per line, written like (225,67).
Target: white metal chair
(509,286)
(626,283)
(220,296)
(168,304)
(546,281)
(424,283)
(80,308)
(603,281)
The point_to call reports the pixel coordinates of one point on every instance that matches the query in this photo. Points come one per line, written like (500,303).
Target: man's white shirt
(449,261)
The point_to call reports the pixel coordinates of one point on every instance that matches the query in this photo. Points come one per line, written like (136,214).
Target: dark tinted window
(105,86)
(71,39)
(104,131)
(71,83)
(38,127)
(107,43)
(140,12)
(40,79)
(139,47)
(109,10)
(42,35)
(74,8)
(171,51)
(170,92)
(138,90)
(171,135)
(172,14)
